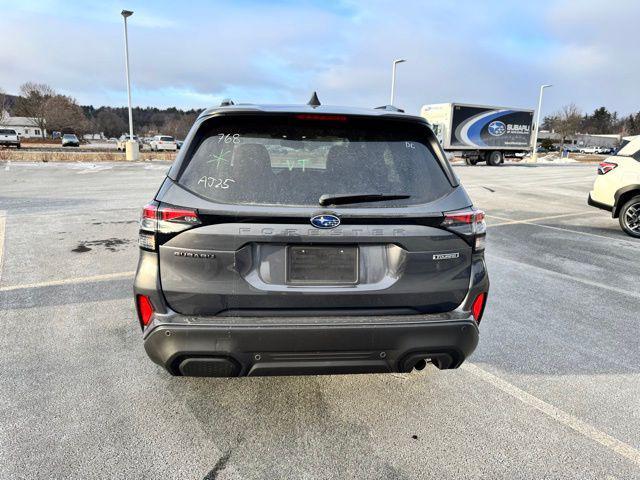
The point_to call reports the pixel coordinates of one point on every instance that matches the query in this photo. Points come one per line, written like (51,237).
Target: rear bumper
(602,206)
(229,347)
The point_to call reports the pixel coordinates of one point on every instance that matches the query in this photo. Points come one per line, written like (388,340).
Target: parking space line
(3,222)
(630,242)
(69,281)
(510,221)
(566,419)
(565,276)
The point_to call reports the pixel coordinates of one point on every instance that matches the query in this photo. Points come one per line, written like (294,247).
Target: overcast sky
(193,54)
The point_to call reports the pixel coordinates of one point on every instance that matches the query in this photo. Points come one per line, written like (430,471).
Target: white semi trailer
(480,133)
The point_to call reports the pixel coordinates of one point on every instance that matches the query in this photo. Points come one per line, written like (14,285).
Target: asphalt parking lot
(553,390)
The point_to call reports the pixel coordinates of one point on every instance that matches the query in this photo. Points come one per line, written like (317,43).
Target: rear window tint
(166,139)
(7,132)
(285,161)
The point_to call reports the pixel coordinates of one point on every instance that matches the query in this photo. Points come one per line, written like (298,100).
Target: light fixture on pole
(393,79)
(534,153)
(131,144)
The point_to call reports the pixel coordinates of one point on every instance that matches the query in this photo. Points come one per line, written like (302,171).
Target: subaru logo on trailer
(497,128)
(325,221)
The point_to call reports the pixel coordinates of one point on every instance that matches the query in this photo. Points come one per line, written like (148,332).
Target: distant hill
(10,102)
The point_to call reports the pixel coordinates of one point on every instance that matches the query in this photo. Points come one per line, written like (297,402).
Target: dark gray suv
(308,239)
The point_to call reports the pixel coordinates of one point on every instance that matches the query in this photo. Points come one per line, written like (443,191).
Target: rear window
(630,149)
(289,161)
(166,139)
(7,132)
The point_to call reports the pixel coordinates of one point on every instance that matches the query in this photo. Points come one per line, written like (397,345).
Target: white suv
(9,138)
(163,142)
(617,186)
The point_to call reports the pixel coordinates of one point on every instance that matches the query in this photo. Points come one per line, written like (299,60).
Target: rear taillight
(477,308)
(469,223)
(145,309)
(164,219)
(606,167)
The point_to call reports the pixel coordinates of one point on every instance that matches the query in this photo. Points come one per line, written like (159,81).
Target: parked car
(70,140)
(9,138)
(571,148)
(163,142)
(357,252)
(589,150)
(121,144)
(617,187)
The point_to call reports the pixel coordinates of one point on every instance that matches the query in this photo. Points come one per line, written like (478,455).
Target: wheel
(470,161)
(18,146)
(495,158)
(630,217)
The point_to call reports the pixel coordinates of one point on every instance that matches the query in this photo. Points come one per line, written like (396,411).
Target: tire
(471,161)
(630,217)
(495,158)
(18,146)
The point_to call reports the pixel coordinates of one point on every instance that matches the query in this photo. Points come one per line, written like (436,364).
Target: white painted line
(564,276)
(69,281)
(509,221)
(630,242)
(566,419)
(3,223)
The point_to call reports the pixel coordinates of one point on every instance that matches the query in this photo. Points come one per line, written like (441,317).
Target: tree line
(60,113)
(570,120)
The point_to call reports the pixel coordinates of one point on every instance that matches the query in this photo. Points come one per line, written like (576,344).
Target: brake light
(606,167)
(145,309)
(164,219)
(468,216)
(322,118)
(468,223)
(477,309)
(179,215)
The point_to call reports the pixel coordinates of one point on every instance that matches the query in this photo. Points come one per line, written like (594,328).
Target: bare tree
(567,121)
(3,107)
(64,115)
(32,103)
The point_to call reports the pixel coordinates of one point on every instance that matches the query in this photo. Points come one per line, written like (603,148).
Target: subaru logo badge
(497,128)
(325,221)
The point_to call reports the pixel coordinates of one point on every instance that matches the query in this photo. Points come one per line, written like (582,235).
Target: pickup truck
(9,138)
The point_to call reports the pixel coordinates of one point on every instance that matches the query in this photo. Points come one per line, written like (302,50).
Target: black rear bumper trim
(602,206)
(299,349)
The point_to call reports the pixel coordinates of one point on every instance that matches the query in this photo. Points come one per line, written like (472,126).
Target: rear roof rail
(227,102)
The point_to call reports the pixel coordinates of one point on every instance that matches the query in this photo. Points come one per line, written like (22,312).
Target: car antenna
(314,101)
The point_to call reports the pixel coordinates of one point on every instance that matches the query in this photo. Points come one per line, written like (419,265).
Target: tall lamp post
(131,144)
(393,79)
(534,153)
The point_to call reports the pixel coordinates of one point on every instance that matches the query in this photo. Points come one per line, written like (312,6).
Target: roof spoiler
(227,102)
(390,108)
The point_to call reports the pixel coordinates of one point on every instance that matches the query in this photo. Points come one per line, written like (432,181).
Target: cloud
(192,54)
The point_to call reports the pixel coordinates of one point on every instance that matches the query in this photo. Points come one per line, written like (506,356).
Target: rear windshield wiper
(339,199)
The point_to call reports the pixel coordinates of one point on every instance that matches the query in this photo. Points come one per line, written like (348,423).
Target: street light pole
(393,79)
(534,153)
(131,145)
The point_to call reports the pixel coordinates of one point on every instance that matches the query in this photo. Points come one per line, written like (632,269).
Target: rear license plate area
(322,264)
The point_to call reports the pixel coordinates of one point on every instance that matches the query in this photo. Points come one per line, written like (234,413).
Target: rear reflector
(477,309)
(145,310)
(606,167)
